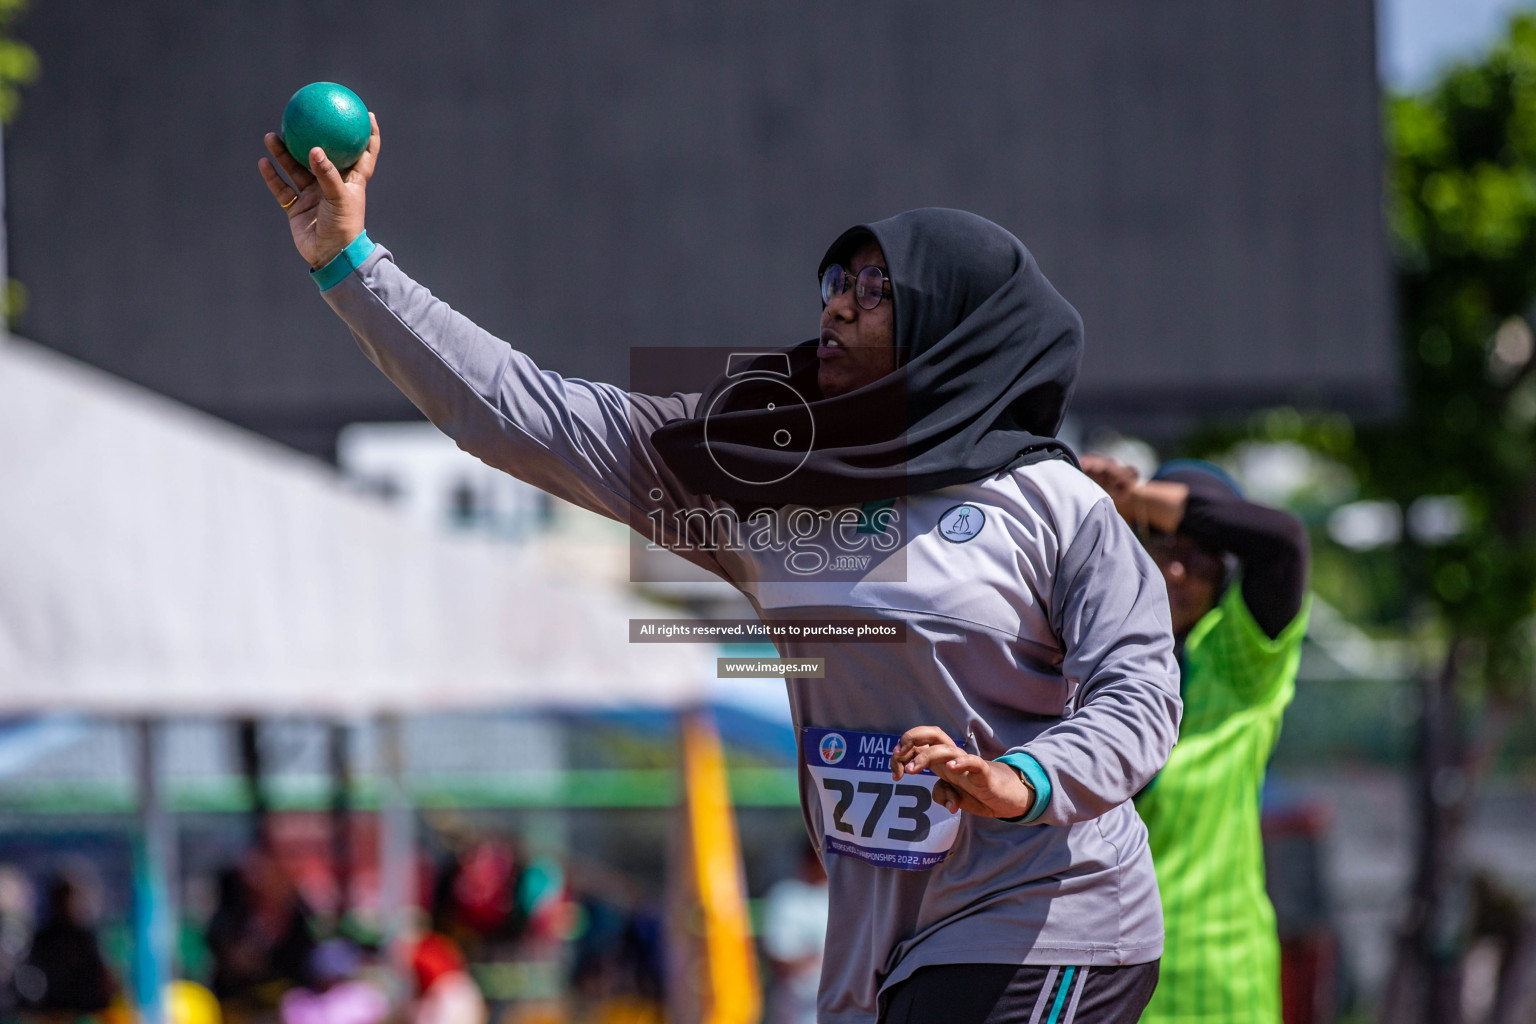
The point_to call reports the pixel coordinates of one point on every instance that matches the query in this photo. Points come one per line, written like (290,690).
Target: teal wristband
(343,263)
(1037,779)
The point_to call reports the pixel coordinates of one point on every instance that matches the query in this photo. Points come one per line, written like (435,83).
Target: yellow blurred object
(187,1002)
(628,1010)
(118,1011)
(543,1011)
(731,991)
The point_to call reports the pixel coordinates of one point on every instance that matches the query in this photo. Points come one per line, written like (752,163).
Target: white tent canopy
(156,561)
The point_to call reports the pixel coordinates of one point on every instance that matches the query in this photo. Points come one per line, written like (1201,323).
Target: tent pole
(397,833)
(341,816)
(154,868)
(248,736)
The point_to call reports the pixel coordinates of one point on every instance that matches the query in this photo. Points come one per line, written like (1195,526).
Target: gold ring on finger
(291,201)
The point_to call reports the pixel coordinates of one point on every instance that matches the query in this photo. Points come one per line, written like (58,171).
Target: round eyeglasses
(868,286)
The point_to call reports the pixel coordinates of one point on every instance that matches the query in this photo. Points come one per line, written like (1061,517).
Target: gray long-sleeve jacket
(1037,627)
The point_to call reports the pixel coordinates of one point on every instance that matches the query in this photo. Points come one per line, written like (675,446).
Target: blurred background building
(1203,185)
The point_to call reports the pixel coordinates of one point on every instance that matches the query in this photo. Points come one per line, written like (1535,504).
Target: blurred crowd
(500,937)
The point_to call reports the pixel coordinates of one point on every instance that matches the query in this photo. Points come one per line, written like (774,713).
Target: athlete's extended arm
(585,442)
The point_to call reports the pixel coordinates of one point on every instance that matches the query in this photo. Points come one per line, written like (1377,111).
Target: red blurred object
(302,842)
(1309,951)
(434,956)
(1308,979)
(482,893)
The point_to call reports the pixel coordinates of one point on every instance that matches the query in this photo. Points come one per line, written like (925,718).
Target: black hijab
(988,352)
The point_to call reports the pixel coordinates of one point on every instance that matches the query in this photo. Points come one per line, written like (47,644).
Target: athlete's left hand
(966,782)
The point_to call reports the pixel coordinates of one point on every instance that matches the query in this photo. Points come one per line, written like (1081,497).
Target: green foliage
(1461,190)
(18,62)
(13,299)
(1461,194)
(18,67)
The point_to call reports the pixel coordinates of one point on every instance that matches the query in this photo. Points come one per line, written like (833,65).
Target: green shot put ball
(330,116)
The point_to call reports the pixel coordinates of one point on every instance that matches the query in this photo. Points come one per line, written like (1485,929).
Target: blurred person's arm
(1155,503)
(1270,544)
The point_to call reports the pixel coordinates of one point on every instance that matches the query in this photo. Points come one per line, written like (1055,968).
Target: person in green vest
(1236,573)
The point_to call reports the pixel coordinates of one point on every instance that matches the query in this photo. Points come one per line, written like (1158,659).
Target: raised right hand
(1115,477)
(328,211)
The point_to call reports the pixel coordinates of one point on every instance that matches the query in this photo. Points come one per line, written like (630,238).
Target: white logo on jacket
(961,523)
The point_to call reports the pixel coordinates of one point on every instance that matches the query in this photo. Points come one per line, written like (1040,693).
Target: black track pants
(1006,994)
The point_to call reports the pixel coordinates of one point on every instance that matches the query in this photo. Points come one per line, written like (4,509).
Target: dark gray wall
(1200,177)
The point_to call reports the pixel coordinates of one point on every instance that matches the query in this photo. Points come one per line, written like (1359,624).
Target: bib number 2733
(866,815)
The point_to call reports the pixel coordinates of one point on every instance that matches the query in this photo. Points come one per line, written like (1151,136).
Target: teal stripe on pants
(1061,994)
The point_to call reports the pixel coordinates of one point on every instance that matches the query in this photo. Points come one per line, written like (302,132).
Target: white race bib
(866,815)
